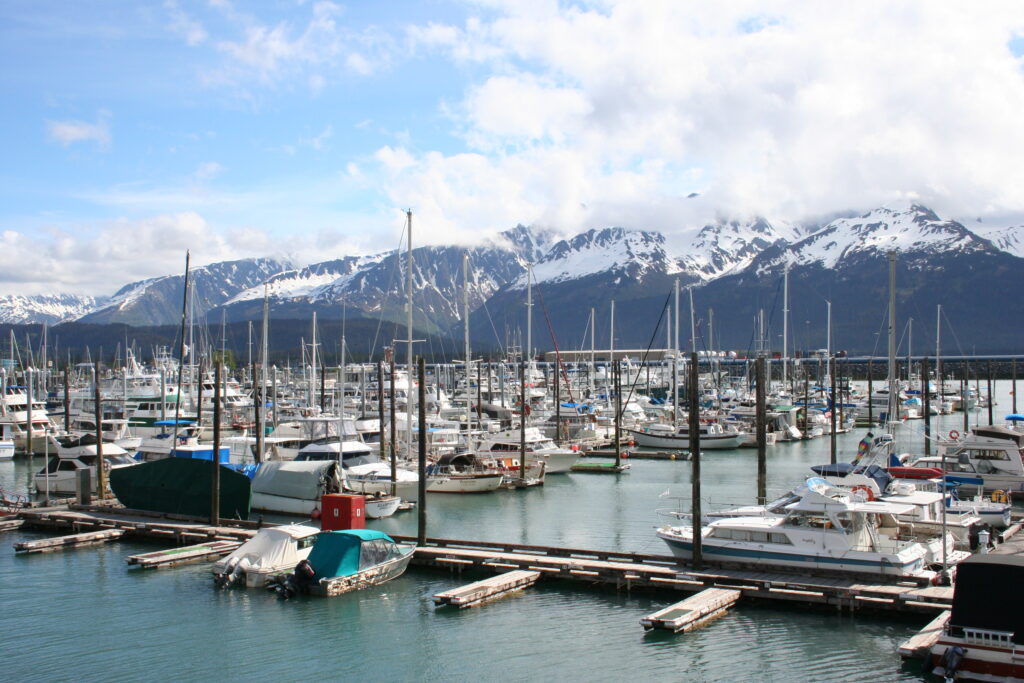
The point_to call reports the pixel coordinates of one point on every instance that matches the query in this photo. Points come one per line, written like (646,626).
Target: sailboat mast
(408,327)
(529,313)
(891,379)
(181,353)
(785,320)
(465,306)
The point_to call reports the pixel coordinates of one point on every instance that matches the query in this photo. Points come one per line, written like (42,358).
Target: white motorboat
(462,474)
(509,442)
(271,552)
(375,478)
(61,472)
(826,529)
(989,453)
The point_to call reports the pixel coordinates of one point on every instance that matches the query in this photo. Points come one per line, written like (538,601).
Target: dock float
(183,554)
(694,611)
(628,571)
(488,589)
(643,454)
(920,644)
(11,524)
(48,545)
(599,467)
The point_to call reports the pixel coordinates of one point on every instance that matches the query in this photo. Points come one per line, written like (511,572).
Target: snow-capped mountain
(157,301)
(46,308)
(1008,238)
(911,231)
(730,245)
(633,254)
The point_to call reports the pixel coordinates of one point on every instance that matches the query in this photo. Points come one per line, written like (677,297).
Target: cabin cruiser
(375,478)
(14,413)
(74,454)
(295,487)
(994,454)
(826,529)
(538,447)
(462,473)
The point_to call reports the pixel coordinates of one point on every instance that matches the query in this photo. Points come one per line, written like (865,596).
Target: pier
(49,545)
(693,612)
(487,590)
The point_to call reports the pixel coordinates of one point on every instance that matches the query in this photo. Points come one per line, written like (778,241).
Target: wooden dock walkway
(487,590)
(176,529)
(10,524)
(920,644)
(49,545)
(189,553)
(633,571)
(694,611)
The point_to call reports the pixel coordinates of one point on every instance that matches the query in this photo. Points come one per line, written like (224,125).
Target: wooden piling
(694,417)
(762,436)
(421,504)
(215,471)
(927,406)
(101,470)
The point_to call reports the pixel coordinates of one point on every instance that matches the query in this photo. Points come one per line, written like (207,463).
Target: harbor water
(83,615)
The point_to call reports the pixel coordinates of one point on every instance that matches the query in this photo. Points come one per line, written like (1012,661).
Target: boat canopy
(977,605)
(304,480)
(344,553)
(1014,417)
(171,423)
(271,547)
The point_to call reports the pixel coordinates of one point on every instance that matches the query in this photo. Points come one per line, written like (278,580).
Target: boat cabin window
(751,536)
(376,551)
(306,542)
(66,466)
(812,521)
(985,454)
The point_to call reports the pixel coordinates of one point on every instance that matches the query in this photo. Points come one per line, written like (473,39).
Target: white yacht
(712,436)
(826,529)
(60,475)
(507,443)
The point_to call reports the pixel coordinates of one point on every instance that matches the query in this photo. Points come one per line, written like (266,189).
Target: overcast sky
(133,131)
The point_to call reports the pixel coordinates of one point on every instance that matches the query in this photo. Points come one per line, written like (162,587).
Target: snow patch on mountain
(727,246)
(633,252)
(45,308)
(1006,236)
(912,229)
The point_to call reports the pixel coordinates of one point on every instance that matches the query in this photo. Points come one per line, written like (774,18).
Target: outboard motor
(950,662)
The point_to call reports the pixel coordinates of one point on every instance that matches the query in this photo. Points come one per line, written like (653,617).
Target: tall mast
(313,368)
(465,306)
(529,315)
(891,379)
(785,319)
(593,325)
(181,354)
(408,327)
(675,361)
(938,356)
(693,323)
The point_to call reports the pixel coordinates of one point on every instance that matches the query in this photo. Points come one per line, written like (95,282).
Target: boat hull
(484,483)
(677,443)
(372,576)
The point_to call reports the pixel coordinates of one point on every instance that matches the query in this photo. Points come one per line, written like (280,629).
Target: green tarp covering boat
(181,486)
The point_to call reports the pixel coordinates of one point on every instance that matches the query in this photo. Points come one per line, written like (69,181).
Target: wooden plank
(920,644)
(10,524)
(692,612)
(487,589)
(188,553)
(45,545)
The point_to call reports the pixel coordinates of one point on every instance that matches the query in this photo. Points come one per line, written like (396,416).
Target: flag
(862,448)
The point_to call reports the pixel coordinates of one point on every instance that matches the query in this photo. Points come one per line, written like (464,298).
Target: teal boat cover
(346,552)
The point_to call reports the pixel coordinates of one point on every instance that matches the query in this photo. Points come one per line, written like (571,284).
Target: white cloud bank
(613,112)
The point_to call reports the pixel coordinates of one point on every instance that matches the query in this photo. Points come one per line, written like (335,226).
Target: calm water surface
(83,615)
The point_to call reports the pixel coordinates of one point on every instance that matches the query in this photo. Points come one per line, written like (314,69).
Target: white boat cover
(271,548)
(306,480)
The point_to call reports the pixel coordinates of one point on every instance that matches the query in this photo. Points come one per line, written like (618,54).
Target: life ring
(953,434)
(868,493)
(1000,496)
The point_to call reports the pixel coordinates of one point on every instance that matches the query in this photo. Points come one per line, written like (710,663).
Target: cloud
(207,171)
(602,113)
(69,132)
(184,25)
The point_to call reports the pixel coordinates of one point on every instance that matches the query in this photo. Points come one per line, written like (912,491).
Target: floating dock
(177,529)
(10,524)
(920,644)
(694,611)
(636,571)
(600,467)
(188,553)
(49,545)
(644,454)
(488,589)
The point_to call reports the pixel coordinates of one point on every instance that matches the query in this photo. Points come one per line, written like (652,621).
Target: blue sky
(134,131)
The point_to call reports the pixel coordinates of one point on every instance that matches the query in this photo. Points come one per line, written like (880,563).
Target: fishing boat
(984,635)
(826,529)
(347,560)
(271,552)
(712,436)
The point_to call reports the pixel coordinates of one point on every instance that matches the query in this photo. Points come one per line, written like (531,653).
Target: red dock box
(342,511)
